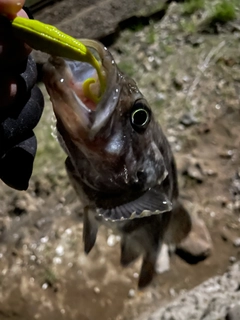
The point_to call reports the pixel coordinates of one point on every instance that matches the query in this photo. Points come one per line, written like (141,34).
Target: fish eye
(140,116)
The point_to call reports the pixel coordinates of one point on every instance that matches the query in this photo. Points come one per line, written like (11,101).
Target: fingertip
(17,164)
(22,14)
(10,8)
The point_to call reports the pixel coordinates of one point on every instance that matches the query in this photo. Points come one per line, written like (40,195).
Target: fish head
(114,144)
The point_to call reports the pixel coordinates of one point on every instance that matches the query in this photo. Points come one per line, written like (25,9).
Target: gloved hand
(21,103)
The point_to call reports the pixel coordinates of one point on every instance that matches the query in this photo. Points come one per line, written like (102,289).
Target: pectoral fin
(151,202)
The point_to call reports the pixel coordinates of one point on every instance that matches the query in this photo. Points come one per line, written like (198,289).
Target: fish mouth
(75,91)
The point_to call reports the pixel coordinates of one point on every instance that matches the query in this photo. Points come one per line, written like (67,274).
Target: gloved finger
(12,50)
(29,75)
(17,164)
(20,120)
(14,86)
(8,90)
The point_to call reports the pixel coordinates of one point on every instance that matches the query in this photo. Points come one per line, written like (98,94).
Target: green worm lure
(49,39)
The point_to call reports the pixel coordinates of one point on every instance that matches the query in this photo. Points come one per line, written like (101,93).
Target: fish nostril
(141,176)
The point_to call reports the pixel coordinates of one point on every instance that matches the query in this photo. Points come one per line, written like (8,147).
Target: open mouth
(83,80)
(87,83)
(83,98)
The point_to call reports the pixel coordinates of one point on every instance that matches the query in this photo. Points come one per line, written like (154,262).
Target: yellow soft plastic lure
(49,39)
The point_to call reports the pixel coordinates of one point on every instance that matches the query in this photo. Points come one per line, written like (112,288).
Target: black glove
(17,141)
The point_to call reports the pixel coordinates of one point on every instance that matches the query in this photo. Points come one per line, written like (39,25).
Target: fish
(118,159)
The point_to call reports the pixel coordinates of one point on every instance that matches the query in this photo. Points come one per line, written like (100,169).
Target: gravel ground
(212,300)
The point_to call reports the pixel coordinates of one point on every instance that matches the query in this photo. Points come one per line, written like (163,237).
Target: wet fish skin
(123,173)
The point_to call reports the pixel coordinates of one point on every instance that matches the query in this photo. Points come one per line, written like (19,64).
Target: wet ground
(192,80)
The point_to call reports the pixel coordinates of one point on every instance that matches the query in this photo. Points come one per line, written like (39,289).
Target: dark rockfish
(119,160)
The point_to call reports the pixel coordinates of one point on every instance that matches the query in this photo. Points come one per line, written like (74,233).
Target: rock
(197,245)
(192,168)
(232,259)
(188,120)
(113,239)
(2,227)
(23,203)
(43,223)
(236,243)
(208,301)
(43,187)
(163,261)
(131,293)
(229,235)
(236,206)
(95,19)
(204,128)
(234,313)
(235,191)
(194,39)
(178,83)
(226,154)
